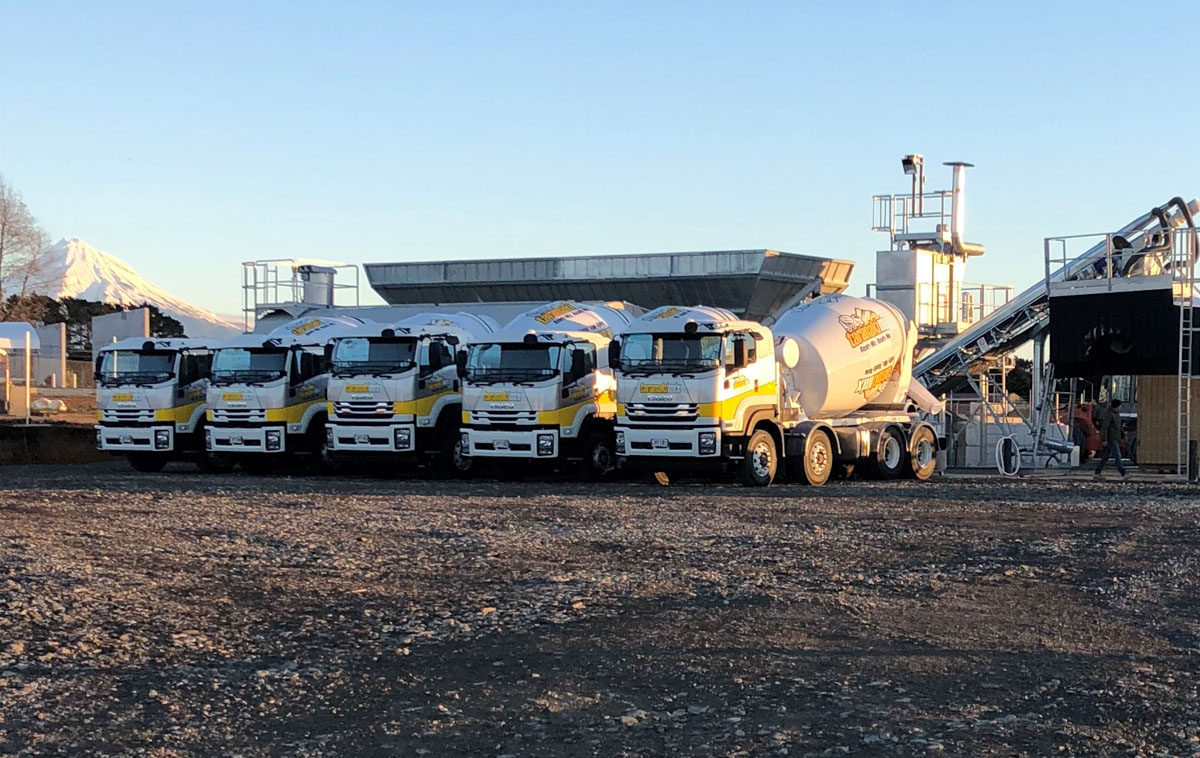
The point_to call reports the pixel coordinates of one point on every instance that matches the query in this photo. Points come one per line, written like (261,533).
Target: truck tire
(450,462)
(147,463)
(758,465)
(599,457)
(210,462)
(261,463)
(817,466)
(922,454)
(888,459)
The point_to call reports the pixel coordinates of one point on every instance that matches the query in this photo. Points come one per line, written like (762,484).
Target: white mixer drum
(849,347)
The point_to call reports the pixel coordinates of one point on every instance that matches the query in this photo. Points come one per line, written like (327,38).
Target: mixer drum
(848,350)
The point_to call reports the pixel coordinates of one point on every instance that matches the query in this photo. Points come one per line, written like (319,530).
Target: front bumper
(136,439)
(246,439)
(495,443)
(703,442)
(373,438)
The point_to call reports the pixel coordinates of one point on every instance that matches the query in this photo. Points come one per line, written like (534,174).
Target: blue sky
(188,137)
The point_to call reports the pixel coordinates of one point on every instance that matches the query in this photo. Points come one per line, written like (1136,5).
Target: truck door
(579,385)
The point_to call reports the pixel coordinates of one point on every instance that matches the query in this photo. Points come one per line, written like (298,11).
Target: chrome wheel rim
(924,453)
(818,458)
(760,460)
(892,452)
(461,462)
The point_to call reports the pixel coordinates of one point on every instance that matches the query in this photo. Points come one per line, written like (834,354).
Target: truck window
(746,339)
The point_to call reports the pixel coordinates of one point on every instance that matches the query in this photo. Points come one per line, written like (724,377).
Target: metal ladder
(1182,281)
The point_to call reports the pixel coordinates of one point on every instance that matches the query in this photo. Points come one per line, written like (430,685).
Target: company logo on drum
(861,326)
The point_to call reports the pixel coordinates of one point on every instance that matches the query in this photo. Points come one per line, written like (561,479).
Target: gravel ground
(178,614)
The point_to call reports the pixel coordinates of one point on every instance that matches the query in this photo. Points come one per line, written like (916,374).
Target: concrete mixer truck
(394,389)
(266,394)
(829,386)
(539,389)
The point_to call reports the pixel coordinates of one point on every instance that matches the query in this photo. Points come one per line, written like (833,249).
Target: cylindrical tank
(318,284)
(569,316)
(474,325)
(839,352)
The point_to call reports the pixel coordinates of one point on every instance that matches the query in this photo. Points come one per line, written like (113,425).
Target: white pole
(28,372)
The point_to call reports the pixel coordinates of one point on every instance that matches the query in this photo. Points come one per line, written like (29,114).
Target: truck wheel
(598,457)
(210,462)
(147,463)
(922,454)
(261,463)
(818,459)
(757,467)
(888,461)
(451,462)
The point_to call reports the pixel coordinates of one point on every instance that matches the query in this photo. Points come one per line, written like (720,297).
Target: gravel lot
(179,614)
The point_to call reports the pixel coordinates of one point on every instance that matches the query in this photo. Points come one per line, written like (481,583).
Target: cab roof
(157,343)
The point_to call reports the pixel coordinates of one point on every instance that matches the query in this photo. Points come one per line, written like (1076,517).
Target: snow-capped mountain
(73,268)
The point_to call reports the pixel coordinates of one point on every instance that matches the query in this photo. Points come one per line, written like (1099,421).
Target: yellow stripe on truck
(563,416)
(178,415)
(422,406)
(293,414)
(727,408)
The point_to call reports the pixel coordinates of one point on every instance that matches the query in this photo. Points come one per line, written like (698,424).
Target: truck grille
(659,413)
(362,408)
(127,416)
(235,416)
(504,417)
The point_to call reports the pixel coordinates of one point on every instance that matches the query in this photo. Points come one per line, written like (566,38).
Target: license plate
(659,443)
(122,397)
(126,439)
(653,388)
(236,440)
(501,444)
(492,397)
(231,396)
(357,388)
(361,439)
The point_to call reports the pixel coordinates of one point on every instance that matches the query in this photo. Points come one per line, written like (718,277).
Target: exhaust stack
(958,211)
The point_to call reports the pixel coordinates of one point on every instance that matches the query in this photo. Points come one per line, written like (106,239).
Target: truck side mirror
(614,354)
(578,367)
(739,354)
(328,352)
(460,362)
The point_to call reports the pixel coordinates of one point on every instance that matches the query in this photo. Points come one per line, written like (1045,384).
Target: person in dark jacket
(1111,431)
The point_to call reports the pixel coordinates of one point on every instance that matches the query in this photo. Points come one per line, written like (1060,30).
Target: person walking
(1111,431)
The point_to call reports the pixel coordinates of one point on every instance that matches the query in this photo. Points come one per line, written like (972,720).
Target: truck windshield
(358,356)
(239,364)
(511,362)
(670,353)
(129,367)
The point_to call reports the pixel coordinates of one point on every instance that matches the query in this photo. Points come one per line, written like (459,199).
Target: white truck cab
(693,383)
(394,389)
(151,401)
(538,390)
(267,392)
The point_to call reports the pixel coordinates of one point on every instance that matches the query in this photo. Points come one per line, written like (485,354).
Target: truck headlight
(274,440)
(162,439)
(620,441)
(545,444)
(466,443)
(99,438)
(207,438)
(708,443)
(403,438)
(329,436)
